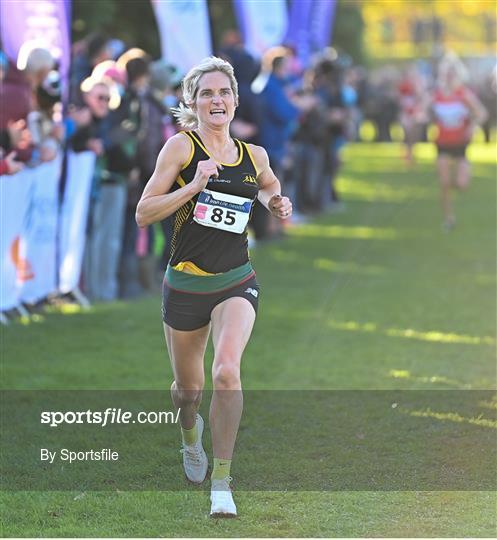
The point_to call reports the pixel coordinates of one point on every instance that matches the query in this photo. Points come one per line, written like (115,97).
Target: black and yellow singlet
(198,251)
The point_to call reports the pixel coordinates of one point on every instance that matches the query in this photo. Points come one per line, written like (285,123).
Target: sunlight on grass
(409,333)
(367,131)
(375,191)
(483,153)
(339,231)
(452,417)
(477,153)
(397,132)
(328,264)
(440,337)
(284,256)
(425,152)
(375,151)
(347,267)
(489,404)
(434,379)
(68,309)
(485,279)
(396,170)
(34,318)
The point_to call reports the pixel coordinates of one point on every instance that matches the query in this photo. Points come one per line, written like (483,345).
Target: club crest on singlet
(249,179)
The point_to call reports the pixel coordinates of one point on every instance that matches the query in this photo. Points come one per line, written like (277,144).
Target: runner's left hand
(280,207)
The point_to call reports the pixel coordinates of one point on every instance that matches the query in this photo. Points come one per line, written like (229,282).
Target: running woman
(456,110)
(209,181)
(413,110)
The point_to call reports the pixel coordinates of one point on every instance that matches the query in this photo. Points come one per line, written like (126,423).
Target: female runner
(209,181)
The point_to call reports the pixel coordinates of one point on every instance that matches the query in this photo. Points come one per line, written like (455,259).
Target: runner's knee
(187,394)
(226,373)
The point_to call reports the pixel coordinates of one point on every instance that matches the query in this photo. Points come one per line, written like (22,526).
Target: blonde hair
(451,62)
(186,116)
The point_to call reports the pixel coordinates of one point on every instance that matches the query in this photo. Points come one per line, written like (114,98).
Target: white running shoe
(195,460)
(222,503)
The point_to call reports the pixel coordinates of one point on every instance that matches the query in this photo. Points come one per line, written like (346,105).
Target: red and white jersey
(408,97)
(452,117)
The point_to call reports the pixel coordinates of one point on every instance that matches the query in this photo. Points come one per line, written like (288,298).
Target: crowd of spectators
(118,105)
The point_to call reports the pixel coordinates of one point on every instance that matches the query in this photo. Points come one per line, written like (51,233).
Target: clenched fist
(205,169)
(280,207)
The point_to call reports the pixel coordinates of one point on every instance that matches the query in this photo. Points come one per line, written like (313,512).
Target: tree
(348,31)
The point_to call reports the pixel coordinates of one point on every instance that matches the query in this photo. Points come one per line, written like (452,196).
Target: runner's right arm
(156,202)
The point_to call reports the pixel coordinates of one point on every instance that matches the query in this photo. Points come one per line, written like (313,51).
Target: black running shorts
(183,310)
(458,151)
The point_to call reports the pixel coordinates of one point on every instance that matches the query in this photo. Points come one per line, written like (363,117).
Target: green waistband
(207,284)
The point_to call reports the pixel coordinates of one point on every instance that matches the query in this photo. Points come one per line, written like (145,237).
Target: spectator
(18,97)
(88,53)
(128,132)
(488,96)
(309,149)
(165,79)
(45,122)
(9,165)
(413,109)
(157,126)
(329,87)
(109,69)
(108,199)
(279,116)
(248,115)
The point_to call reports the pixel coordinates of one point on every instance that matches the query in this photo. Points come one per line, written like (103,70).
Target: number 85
(217,216)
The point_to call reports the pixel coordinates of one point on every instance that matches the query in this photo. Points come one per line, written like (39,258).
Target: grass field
(374,298)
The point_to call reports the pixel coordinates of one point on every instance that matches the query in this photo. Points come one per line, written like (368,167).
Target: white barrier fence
(41,244)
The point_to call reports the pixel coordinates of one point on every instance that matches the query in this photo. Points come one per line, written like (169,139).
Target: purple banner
(40,23)
(262,24)
(298,29)
(310,26)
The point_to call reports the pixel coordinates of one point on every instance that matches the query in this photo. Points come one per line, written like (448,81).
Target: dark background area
(133,21)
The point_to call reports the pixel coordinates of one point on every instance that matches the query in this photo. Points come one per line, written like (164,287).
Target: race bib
(222,211)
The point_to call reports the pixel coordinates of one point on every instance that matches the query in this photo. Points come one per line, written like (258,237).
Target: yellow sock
(190,436)
(221,469)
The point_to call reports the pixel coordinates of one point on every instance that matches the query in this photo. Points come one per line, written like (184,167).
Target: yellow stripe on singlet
(237,143)
(251,156)
(192,151)
(191,268)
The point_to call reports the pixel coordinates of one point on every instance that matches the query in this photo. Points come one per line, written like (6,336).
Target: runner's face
(215,103)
